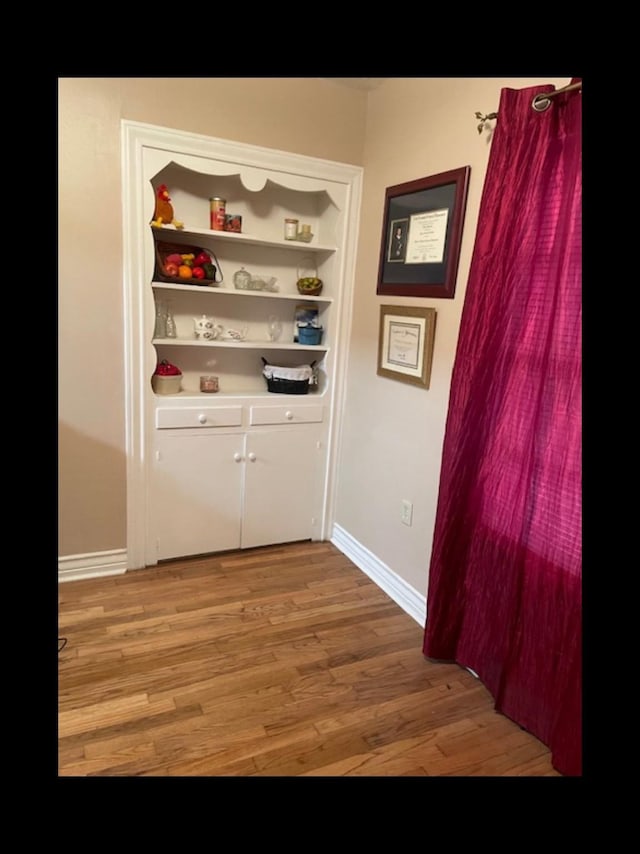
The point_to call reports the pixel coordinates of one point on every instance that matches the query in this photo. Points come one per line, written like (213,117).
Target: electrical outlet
(406,512)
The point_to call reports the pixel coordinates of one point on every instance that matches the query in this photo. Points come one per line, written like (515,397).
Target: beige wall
(306,116)
(393,432)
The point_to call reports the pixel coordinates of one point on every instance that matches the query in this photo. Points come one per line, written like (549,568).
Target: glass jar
(291,229)
(242,280)
(209,384)
(305,234)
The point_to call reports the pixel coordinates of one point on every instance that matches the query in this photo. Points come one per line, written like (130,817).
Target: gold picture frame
(406,337)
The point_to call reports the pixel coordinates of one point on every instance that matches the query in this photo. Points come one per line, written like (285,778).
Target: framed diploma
(405,343)
(421,235)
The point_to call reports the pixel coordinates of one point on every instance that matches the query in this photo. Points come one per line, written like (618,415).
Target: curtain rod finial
(485,119)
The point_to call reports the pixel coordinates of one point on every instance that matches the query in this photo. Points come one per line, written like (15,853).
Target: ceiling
(366,83)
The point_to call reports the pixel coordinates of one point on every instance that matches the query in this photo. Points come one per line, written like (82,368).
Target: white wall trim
(94,565)
(403,594)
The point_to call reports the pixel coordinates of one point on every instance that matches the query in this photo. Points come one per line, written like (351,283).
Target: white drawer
(285,414)
(204,416)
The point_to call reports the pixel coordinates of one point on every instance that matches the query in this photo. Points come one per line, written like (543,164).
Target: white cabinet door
(196,493)
(282,482)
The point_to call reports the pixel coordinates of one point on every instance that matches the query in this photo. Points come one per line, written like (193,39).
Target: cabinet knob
(252,457)
(288,415)
(202,418)
(237,457)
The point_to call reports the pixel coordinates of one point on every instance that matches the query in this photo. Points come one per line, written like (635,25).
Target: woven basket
(310,292)
(164,249)
(280,385)
(287,386)
(310,272)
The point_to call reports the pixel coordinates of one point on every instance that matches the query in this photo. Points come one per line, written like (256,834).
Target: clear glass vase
(275,327)
(170,324)
(160,330)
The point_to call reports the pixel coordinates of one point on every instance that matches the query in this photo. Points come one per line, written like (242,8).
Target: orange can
(218,208)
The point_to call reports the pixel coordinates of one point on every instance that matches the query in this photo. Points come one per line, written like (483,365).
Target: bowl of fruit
(186,265)
(167,378)
(309,286)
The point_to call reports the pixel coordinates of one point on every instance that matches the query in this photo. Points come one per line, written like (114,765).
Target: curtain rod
(540,103)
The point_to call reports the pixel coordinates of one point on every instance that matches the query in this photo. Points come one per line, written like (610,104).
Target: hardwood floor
(279,661)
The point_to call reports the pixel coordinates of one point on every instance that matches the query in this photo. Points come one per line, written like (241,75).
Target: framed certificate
(421,235)
(405,343)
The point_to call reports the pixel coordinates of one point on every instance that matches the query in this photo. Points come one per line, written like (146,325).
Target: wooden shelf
(249,239)
(247,395)
(239,345)
(204,289)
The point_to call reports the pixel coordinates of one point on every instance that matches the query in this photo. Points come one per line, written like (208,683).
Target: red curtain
(504,592)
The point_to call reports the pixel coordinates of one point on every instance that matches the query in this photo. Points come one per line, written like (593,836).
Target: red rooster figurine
(163,214)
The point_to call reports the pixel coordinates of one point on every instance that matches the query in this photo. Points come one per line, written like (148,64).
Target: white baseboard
(403,594)
(94,565)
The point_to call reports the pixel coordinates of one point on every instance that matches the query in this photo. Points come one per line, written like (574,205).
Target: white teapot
(206,329)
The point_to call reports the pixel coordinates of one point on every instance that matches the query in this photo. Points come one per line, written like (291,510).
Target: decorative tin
(309,334)
(218,207)
(233,222)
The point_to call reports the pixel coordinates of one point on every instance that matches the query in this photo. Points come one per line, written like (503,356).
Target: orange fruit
(184,272)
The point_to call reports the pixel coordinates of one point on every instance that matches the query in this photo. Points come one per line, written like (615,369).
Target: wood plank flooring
(279,661)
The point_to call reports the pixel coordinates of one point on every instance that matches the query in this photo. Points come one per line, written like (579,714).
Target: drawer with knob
(203,416)
(285,414)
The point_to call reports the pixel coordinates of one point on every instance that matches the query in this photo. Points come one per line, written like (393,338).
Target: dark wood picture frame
(421,235)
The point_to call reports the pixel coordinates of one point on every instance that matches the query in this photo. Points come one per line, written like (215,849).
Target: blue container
(309,334)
